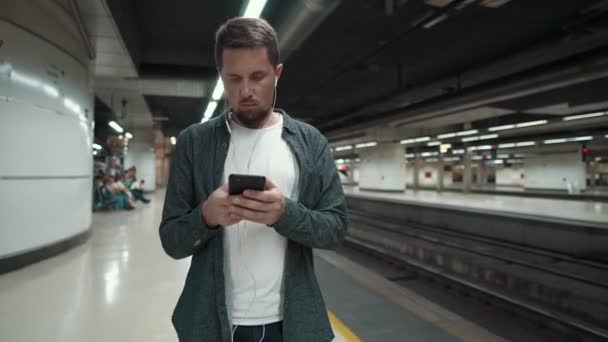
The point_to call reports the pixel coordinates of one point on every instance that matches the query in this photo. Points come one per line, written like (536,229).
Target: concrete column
(382,167)
(440,172)
(467,174)
(482,174)
(417,162)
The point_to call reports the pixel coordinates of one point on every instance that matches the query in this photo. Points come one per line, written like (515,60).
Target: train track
(596,273)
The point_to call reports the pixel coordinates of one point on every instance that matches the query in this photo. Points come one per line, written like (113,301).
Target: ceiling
(366,62)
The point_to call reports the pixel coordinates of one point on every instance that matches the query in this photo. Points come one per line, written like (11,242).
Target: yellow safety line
(342,329)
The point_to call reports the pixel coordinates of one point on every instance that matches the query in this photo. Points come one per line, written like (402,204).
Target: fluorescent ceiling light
(584,116)
(497,161)
(344,148)
(484,147)
(429,154)
(503,156)
(129,135)
(97,147)
(477,157)
(555,141)
(457,151)
(514,161)
(115,126)
(254,8)
(469,132)
(94,153)
(218,91)
(470,139)
(531,123)
(410,155)
(508,145)
(501,128)
(488,136)
(434,143)
(421,139)
(210,109)
(445,136)
(564,140)
(525,143)
(367,144)
(432,160)
(451,159)
(173,141)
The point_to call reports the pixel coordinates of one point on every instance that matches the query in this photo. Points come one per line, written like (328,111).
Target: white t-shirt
(255,253)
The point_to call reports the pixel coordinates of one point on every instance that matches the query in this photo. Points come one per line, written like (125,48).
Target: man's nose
(245,90)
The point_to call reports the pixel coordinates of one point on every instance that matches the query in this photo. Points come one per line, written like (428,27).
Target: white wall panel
(554,171)
(45,143)
(382,168)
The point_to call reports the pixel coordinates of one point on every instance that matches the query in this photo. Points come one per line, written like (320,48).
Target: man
(251,276)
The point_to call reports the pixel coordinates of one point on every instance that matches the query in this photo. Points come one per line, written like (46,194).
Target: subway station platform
(587,212)
(120,286)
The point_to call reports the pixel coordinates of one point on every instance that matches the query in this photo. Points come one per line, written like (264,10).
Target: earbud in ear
(276,81)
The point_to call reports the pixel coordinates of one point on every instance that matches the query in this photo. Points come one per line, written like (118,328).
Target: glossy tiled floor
(119,286)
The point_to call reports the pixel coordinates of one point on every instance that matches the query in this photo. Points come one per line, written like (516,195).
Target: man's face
(249,78)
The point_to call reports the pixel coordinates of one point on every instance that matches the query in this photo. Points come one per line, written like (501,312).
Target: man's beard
(252,119)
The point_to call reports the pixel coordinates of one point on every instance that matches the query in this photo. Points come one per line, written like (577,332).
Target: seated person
(119,201)
(138,191)
(119,189)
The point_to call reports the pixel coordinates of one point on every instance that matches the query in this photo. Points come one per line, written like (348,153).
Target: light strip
(501,128)
(344,148)
(508,145)
(432,160)
(173,141)
(584,116)
(514,161)
(434,143)
(97,147)
(210,109)
(458,151)
(409,141)
(470,139)
(488,136)
(368,144)
(503,156)
(115,126)
(254,8)
(476,157)
(410,155)
(129,135)
(531,123)
(218,91)
(565,140)
(525,143)
(447,135)
(470,132)
(429,154)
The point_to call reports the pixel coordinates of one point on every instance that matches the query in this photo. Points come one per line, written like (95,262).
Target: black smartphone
(239,183)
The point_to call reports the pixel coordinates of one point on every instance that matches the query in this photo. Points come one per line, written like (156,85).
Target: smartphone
(239,183)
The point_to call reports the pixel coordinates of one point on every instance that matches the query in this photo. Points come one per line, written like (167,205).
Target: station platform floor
(120,286)
(568,210)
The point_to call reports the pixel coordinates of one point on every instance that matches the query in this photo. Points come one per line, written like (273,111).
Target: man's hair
(246,33)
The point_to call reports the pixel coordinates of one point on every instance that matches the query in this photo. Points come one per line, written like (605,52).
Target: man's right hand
(216,209)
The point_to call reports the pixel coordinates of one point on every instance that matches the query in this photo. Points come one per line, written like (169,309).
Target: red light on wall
(585,149)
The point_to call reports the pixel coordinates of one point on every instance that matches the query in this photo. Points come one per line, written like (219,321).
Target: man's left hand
(264,207)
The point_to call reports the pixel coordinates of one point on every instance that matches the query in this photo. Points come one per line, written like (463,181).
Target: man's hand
(264,207)
(216,209)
